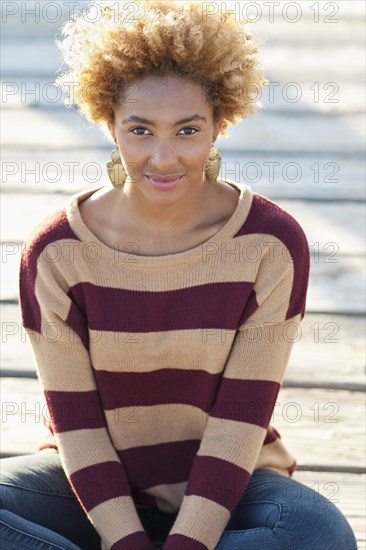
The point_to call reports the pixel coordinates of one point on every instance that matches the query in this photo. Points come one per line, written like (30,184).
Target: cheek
(196,154)
(131,151)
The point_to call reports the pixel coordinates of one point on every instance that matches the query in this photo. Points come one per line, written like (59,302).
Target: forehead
(154,95)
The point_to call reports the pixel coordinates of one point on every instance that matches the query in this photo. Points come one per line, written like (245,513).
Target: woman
(162,312)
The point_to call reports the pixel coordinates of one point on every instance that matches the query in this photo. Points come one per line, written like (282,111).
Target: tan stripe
(120,352)
(262,352)
(49,291)
(235,260)
(232,441)
(273,287)
(85,448)
(168,497)
(274,456)
(211,515)
(204,349)
(134,426)
(116,518)
(62,366)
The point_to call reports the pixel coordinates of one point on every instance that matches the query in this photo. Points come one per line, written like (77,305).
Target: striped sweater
(161,373)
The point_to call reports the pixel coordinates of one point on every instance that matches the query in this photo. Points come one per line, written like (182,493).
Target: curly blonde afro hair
(108,50)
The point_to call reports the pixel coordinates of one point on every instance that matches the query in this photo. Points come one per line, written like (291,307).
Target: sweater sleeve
(59,337)
(238,420)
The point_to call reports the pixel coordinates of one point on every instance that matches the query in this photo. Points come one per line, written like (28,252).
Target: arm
(238,420)
(59,337)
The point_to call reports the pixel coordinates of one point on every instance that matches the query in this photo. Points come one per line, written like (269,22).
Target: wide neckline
(136,261)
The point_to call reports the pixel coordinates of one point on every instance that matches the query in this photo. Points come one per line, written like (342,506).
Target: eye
(138,128)
(190,128)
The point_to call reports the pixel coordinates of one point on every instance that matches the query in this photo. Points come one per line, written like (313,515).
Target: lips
(166,181)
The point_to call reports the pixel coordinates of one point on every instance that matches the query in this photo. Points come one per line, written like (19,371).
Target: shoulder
(49,231)
(272,215)
(268,218)
(284,259)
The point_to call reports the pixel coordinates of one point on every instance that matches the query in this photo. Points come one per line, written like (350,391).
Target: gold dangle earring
(212,167)
(116,171)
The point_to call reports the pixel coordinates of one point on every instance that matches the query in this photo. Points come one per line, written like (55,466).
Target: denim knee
(324,526)
(308,520)
(338,528)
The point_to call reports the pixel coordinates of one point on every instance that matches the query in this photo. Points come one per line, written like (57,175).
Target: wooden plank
(293,92)
(266,132)
(277,60)
(275,175)
(16,352)
(42,50)
(22,407)
(31,19)
(319,427)
(271,131)
(336,288)
(330,231)
(27,213)
(329,349)
(61,172)
(346,492)
(341,20)
(49,130)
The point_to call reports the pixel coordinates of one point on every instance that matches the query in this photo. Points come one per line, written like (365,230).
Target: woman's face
(164,129)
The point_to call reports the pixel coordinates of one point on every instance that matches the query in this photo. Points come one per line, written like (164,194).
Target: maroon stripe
(271,436)
(218,480)
(129,389)
(75,410)
(181,542)
(291,469)
(208,306)
(138,540)
(144,500)
(54,228)
(267,217)
(77,321)
(276,432)
(101,482)
(251,306)
(249,401)
(168,463)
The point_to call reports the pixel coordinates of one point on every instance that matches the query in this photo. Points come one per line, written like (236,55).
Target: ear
(217,127)
(112,131)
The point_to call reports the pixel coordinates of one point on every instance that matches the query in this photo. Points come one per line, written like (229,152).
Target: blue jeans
(39,511)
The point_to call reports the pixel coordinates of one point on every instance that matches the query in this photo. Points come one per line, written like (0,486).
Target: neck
(165,215)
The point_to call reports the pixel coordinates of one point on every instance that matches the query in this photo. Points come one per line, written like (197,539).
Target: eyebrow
(135,118)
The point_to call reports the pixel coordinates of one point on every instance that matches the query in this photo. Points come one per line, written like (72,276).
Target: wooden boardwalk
(304,150)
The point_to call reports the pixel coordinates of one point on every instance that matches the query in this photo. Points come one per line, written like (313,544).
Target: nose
(163,156)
